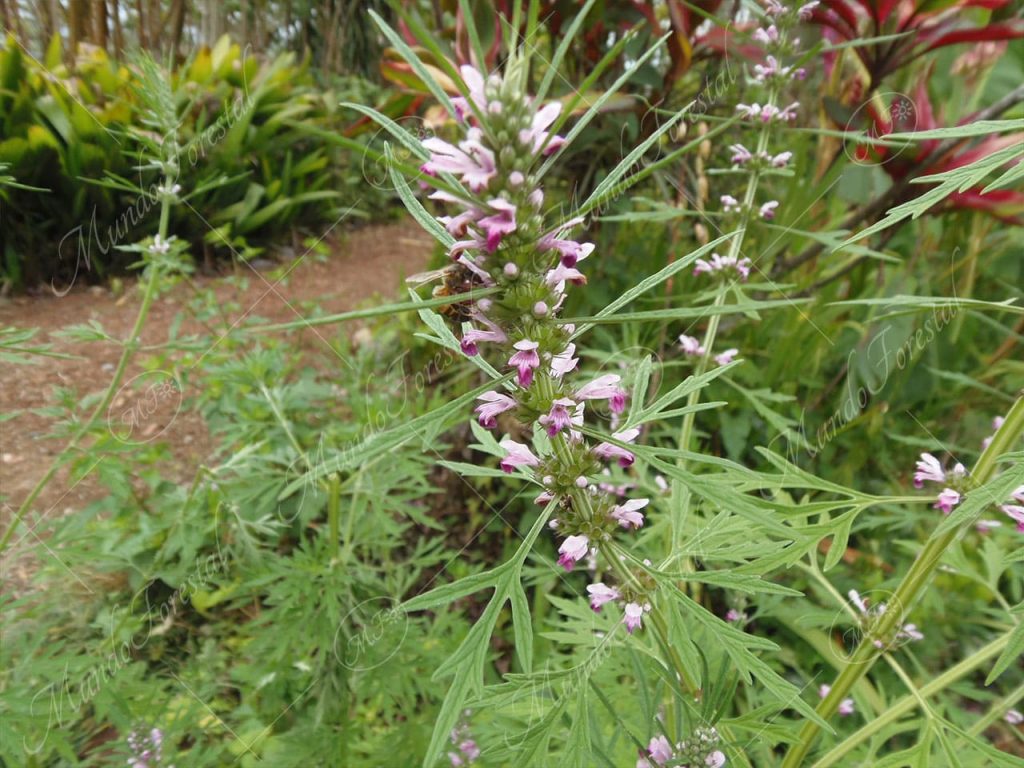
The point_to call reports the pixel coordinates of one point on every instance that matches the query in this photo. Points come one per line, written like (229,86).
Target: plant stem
(913,583)
(333,510)
(908,702)
(681,494)
(129,347)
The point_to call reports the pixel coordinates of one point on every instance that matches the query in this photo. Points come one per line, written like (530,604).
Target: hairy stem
(913,583)
(128,349)
(681,494)
(910,701)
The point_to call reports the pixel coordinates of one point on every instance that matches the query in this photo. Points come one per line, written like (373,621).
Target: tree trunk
(141,22)
(78,23)
(101,23)
(115,11)
(177,19)
(288,23)
(44,11)
(155,25)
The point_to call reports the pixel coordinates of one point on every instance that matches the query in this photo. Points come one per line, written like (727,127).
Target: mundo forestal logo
(145,407)
(884,114)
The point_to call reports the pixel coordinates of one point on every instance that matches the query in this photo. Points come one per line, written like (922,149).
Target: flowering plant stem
(908,702)
(913,583)
(680,494)
(128,348)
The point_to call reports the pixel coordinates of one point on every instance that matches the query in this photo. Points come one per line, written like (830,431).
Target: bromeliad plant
(514,261)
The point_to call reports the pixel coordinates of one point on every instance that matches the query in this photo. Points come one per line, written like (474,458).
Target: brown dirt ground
(363,263)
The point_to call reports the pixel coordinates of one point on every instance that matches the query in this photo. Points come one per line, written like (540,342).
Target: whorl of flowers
(956,482)
(772,76)
(846,706)
(699,750)
(504,240)
(464,750)
(146,749)
(870,615)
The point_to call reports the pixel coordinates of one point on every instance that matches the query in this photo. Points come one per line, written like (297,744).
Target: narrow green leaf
(413,60)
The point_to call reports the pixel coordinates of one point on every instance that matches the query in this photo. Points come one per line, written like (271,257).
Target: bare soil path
(362,264)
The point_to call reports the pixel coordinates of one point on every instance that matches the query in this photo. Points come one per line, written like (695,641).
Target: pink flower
(493,404)
(722,264)
(470,749)
(474,336)
(997,422)
(767,210)
(691,346)
(762,72)
(767,36)
(525,360)
(457,225)
(556,278)
(607,451)
(789,113)
(729,203)
(573,549)
(471,160)
(749,111)
(569,250)
(601,594)
(475,85)
(628,515)
(558,418)
(774,8)
(537,134)
(473,243)
(724,358)
(715,760)
(659,747)
(733,615)
(845,706)
(1013,717)
(806,10)
(947,500)
(858,601)
(928,468)
(740,154)
(498,224)
(632,617)
(564,362)
(605,387)
(518,456)
(781,160)
(470,263)
(910,632)
(1016,513)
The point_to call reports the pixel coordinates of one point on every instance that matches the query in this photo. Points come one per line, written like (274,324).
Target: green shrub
(251,167)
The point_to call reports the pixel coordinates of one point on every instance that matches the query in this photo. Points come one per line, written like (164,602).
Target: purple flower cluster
(146,749)
(871,614)
(846,706)
(955,483)
(464,749)
(774,75)
(502,241)
(699,750)
(693,348)
(929,469)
